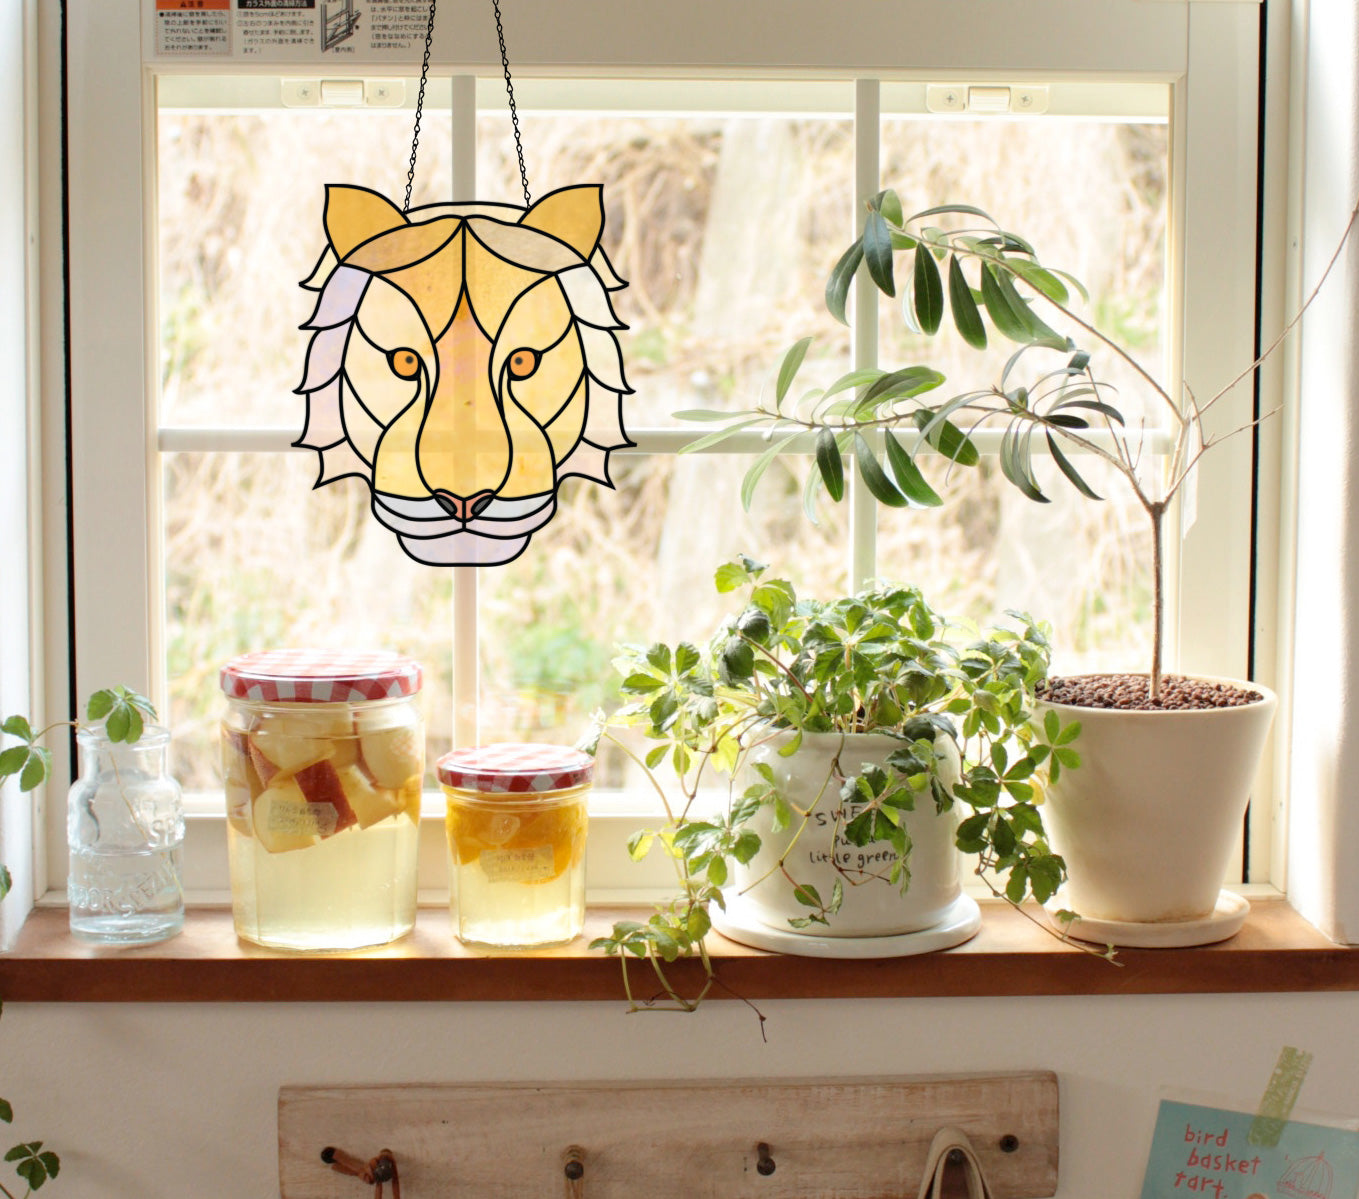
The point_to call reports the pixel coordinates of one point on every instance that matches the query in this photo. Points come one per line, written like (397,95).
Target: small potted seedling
(855,745)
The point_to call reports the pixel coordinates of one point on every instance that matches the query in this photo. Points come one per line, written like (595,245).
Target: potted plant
(859,744)
(1148,822)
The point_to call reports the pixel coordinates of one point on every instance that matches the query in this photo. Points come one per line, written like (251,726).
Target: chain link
(509,92)
(514,112)
(419,106)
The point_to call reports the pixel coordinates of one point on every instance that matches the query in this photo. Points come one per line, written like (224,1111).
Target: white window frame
(1205,53)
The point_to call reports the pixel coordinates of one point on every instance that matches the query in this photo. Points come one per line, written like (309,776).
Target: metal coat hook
(377,1171)
(765,1164)
(573,1169)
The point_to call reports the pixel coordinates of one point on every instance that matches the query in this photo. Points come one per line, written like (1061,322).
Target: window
(730,197)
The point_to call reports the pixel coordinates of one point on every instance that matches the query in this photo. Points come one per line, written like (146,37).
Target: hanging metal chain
(514,112)
(420,106)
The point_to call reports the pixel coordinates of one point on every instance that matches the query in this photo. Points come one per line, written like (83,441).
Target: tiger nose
(464,509)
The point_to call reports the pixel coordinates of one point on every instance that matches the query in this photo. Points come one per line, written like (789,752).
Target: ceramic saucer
(960,923)
(1225,920)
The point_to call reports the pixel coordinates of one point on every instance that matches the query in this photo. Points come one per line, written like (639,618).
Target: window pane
(256,560)
(635,566)
(240,202)
(724,227)
(1091,197)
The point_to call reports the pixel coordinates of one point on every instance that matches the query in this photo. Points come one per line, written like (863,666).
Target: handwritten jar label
(530,864)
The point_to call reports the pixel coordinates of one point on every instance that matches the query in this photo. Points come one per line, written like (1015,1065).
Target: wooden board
(829,1139)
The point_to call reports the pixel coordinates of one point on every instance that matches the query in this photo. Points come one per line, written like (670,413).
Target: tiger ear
(355,215)
(574,215)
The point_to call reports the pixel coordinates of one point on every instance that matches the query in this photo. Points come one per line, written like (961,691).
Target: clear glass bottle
(323,758)
(125,830)
(516,821)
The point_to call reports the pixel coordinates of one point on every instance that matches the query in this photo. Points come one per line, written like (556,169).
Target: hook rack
(796,1139)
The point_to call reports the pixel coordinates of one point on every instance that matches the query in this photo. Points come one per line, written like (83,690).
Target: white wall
(178,1102)
(1325,746)
(16,824)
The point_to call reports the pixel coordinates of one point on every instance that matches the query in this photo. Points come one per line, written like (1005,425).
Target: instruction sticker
(1208,1151)
(198,28)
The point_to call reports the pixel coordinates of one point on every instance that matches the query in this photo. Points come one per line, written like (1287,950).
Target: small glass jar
(125,831)
(323,757)
(516,826)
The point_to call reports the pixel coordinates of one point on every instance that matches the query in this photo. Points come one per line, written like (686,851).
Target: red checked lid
(320,676)
(516,768)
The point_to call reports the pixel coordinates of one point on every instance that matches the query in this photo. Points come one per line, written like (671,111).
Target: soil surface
(1130,692)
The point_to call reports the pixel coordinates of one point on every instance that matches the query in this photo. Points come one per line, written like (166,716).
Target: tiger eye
(523,363)
(405,363)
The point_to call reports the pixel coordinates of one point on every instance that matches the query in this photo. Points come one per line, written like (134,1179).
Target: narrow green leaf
(908,477)
(875,478)
(1036,330)
(828,462)
(1040,279)
(1065,466)
(900,384)
(947,438)
(966,317)
(1015,467)
(807,895)
(929,291)
(789,367)
(721,435)
(888,203)
(701,414)
(756,472)
(998,307)
(6,1111)
(877,243)
(1093,406)
(1076,283)
(842,274)
(961,209)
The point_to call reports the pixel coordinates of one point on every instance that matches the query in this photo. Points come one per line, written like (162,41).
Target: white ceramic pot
(872,906)
(1149,820)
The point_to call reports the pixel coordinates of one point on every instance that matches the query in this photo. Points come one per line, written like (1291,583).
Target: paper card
(1198,1150)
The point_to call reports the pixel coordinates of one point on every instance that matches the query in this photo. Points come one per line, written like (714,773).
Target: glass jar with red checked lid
(516,827)
(323,756)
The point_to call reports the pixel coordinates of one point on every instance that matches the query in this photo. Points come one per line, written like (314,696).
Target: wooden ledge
(1276,951)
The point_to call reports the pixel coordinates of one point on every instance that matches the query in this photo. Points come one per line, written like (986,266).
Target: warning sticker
(269,26)
(193,27)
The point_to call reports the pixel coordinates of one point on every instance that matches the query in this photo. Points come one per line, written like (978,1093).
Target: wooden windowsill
(1276,951)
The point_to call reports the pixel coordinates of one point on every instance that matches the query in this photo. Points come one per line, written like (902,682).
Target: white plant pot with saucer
(1148,822)
(875,919)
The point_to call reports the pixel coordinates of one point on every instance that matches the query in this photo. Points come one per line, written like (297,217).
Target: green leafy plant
(880,661)
(1047,398)
(124,713)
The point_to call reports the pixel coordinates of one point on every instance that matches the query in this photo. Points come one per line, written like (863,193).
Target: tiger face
(464,361)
